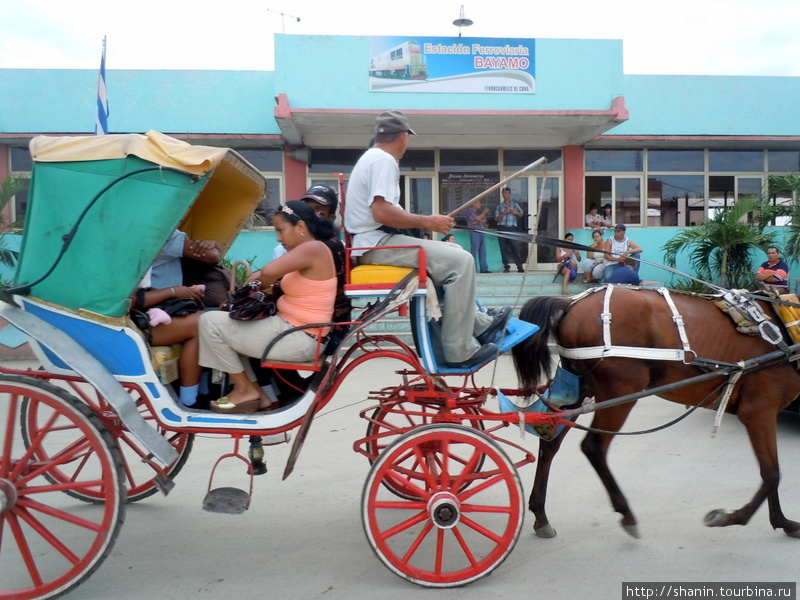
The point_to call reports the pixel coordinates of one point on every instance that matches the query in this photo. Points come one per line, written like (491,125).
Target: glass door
(544,218)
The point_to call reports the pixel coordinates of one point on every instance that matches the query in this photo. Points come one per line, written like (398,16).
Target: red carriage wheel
(141,477)
(390,421)
(447,534)
(48,543)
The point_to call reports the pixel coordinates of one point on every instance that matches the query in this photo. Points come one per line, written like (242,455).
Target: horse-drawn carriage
(100,424)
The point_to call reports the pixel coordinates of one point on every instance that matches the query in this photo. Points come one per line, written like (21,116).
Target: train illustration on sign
(404,61)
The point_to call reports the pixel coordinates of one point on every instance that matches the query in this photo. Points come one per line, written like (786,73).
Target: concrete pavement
(303,539)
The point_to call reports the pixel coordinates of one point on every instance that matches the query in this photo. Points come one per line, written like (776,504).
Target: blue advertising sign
(452,65)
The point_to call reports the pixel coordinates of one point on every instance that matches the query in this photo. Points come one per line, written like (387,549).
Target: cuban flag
(101,124)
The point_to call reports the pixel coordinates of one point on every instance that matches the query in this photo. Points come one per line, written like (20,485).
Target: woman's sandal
(225,406)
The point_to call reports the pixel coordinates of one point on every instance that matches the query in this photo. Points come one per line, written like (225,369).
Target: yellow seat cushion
(372,274)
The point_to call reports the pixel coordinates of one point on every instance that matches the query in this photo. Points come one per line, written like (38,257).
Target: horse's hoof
(792,531)
(545,531)
(716,518)
(632,530)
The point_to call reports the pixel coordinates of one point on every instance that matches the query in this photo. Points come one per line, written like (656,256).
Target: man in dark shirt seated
(625,274)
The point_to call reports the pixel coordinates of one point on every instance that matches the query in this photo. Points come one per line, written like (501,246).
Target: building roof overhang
(344,128)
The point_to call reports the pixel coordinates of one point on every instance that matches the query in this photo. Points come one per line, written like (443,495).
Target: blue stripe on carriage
(168,415)
(111,346)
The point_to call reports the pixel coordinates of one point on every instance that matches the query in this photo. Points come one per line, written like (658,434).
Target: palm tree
(9,187)
(787,183)
(720,247)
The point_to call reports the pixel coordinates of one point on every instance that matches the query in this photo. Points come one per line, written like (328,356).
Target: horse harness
(748,316)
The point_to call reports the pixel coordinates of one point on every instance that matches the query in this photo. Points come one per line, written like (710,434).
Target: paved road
(302,538)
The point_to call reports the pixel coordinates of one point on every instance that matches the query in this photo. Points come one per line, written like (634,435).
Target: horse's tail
(532,358)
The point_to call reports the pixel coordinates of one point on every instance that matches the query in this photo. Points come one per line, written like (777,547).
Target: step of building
(493,290)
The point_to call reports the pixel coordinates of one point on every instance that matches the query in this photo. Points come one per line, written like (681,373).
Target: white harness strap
(608,350)
(678,319)
(606,317)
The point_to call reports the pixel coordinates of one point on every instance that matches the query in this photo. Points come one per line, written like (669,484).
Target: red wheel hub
(8,496)
(444,510)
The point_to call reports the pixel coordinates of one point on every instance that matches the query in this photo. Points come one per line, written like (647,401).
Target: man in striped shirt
(507,215)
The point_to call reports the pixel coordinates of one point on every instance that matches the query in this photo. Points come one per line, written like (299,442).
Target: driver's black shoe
(497,325)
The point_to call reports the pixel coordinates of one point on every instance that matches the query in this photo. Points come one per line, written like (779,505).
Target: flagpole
(101,120)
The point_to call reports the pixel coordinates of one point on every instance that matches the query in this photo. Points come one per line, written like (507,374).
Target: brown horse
(642,319)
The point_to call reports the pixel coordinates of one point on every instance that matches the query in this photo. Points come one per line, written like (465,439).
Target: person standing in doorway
(507,215)
(476,216)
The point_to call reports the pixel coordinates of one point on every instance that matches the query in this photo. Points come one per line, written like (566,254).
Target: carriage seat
(315,365)
(165,362)
(376,280)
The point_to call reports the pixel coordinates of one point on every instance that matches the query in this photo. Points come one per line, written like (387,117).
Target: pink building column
(573,187)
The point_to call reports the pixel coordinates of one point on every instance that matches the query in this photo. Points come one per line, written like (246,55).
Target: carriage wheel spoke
(481,529)
(462,543)
(11,427)
(418,541)
(438,559)
(404,525)
(46,535)
(472,491)
(24,550)
(470,468)
(30,504)
(72,452)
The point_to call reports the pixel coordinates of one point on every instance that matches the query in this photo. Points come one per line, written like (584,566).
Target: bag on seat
(249,303)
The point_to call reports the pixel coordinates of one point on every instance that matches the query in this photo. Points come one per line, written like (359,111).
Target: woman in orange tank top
(308,282)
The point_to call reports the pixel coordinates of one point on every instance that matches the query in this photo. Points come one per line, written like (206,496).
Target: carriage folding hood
(122,232)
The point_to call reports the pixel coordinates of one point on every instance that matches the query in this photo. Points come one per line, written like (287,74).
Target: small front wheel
(446,533)
(49,543)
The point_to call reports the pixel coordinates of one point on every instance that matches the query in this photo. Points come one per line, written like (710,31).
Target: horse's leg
(536,502)
(595,447)
(761,425)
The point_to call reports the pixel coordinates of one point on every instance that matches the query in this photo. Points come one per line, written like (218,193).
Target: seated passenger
(625,274)
(177,330)
(308,283)
(168,266)
(324,201)
(592,265)
(567,263)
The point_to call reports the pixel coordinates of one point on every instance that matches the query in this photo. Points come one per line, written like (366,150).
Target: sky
(685,37)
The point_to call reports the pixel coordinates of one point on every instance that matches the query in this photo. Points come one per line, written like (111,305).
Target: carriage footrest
(226,500)
(163,484)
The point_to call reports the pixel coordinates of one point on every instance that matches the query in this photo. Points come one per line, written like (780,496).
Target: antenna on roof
(283,14)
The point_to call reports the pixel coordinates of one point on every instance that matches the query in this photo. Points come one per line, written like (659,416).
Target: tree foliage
(719,248)
(9,187)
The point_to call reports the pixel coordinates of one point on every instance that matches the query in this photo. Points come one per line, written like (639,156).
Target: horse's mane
(533,360)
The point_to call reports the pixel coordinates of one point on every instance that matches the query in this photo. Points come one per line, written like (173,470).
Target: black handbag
(179,307)
(249,303)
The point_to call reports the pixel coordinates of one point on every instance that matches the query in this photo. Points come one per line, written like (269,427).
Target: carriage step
(163,484)
(226,500)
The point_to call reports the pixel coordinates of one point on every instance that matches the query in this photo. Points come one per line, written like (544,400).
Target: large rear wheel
(48,543)
(446,533)
(142,475)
